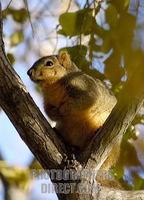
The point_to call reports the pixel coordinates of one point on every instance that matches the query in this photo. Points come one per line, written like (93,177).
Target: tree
(41,138)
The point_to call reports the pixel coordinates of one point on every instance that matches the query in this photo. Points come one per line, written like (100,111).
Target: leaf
(102,33)
(76,23)
(17,38)
(19,15)
(61,32)
(121,5)
(106,46)
(15,176)
(88,23)
(4,13)
(11,58)
(78,54)
(68,21)
(111,15)
(113,69)
(125,30)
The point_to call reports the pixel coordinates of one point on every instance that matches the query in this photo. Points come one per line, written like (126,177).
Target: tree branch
(31,125)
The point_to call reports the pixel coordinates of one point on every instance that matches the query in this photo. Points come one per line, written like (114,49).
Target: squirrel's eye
(49,63)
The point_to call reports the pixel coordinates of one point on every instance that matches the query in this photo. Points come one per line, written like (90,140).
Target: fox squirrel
(75,101)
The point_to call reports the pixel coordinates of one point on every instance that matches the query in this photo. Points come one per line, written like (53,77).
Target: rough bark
(26,116)
(34,129)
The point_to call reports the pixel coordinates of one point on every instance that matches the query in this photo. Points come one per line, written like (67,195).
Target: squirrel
(77,103)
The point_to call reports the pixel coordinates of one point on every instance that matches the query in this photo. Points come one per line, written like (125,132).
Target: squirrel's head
(51,68)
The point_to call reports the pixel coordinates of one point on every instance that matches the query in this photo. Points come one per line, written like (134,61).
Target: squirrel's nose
(29,72)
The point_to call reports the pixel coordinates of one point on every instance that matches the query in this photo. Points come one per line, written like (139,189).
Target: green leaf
(78,54)
(19,15)
(4,13)
(113,69)
(17,38)
(111,15)
(121,5)
(68,21)
(11,58)
(76,23)
(61,32)
(106,46)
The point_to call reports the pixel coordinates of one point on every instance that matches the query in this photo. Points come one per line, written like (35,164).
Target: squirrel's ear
(64,59)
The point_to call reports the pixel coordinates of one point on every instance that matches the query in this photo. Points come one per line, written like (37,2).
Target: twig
(29,16)
(69,4)
(8,4)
